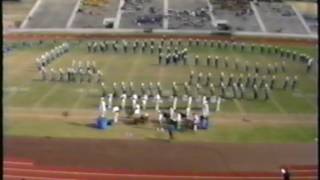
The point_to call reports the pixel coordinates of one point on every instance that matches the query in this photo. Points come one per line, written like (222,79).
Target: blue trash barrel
(102,123)
(205,124)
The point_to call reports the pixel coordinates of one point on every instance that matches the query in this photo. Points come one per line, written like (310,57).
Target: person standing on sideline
(179,121)
(123,101)
(196,121)
(160,119)
(102,108)
(116,110)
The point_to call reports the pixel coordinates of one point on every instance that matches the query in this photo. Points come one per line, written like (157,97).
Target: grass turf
(217,133)
(20,73)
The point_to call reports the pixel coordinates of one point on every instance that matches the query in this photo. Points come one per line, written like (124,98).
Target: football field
(31,104)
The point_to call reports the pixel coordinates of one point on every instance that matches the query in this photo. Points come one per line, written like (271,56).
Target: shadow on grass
(167,140)
(141,127)
(90,125)
(38,80)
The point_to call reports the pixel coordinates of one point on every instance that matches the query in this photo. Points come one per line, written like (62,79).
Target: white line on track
(33,177)
(18,163)
(144,175)
(303,170)
(118,16)
(26,19)
(73,15)
(256,12)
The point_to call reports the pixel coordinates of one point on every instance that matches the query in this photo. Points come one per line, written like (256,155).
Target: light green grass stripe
(46,95)
(278,106)
(80,97)
(239,107)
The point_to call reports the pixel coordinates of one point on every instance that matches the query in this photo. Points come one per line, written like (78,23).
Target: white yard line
(26,20)
(239,106)
(165,13)
(39,116)
(73,15)
(77,102)
(278,106)
(118,16)
(211,15)
(256,12)
(82,95)
(42,98)
(42,109)
(301,19)
(11,94)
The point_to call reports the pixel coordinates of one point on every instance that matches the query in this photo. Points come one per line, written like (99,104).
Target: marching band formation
(255,81)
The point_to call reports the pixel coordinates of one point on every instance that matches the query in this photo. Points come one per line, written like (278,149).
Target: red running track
(15,169)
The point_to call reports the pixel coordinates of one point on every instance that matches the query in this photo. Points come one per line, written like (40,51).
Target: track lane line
(141,175)
(18,163)
(32,177)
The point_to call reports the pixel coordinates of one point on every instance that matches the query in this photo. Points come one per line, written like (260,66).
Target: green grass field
(23,90)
